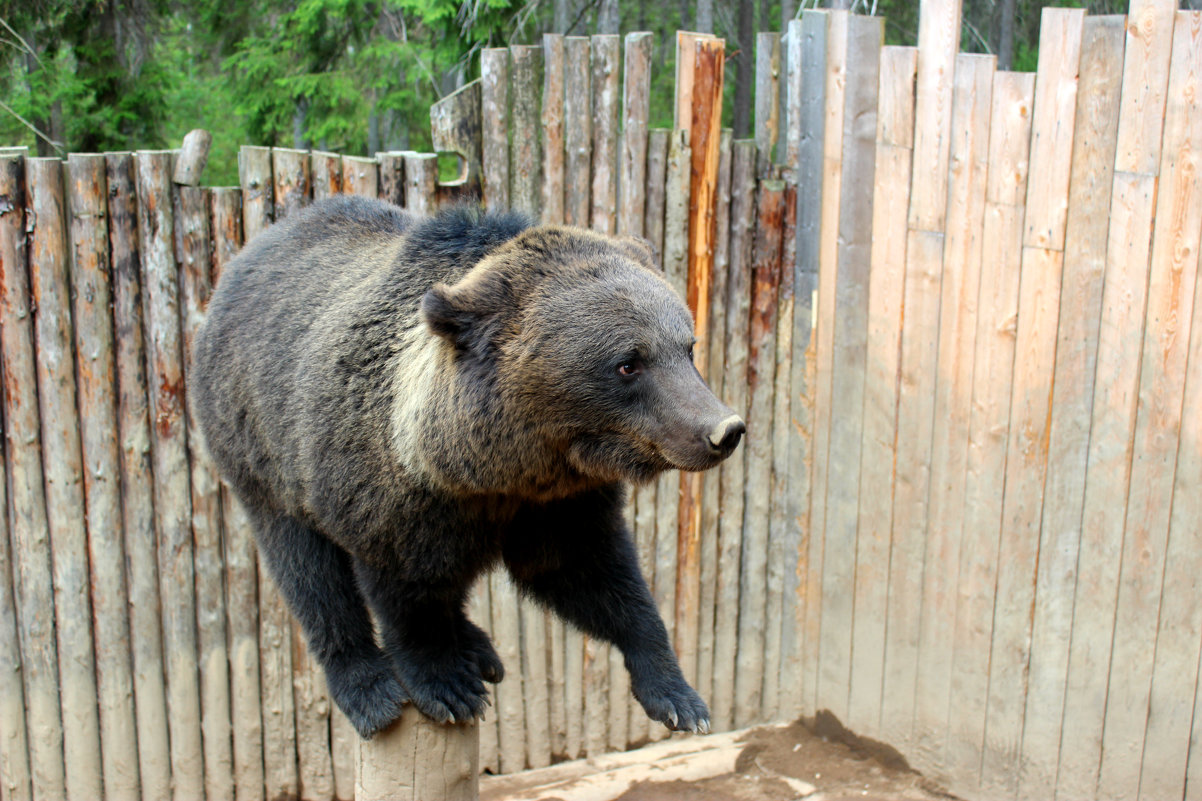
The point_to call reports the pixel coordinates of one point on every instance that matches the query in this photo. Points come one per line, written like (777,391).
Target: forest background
(358,76)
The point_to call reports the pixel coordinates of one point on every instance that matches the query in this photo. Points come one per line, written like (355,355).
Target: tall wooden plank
(1030,407)
(62,468)
(325,173)
(704,135)
(1167,741)
(849,343)
(1092,175)
(938,43)
(636,111)
(552,126)
(172,498)
(734,394)
(1173,273)
(14,757)
(1145,74)
(192,251)
(33,576)
(508,694)
(392,177)
(761,360)
(971,100)
(767,97)
(91,294)
(292,180)
(577,130)
(494,70)
(895,129)
(360,176)
(525,154)
(800,631)
(421,183)
(716,378)
(605,52)
(275,622)
(137,485)
(241,580)
(480,613)
(292,188)
(994,361)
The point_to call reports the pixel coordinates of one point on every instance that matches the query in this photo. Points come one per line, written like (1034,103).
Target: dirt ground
(818,762)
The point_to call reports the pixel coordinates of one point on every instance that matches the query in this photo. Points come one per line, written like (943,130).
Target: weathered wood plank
(535,694)
(636,111)
(417,759)
(32,572)
(421,183)
(734,394)
(62,468)
(275,623)
(878,443)
(325,173)
(192,251)
(525,156)
(761,361)
(91,294)
(1173,273)
(800,658)
(360,176)
(938,43)
(494,71)
(767,98)
(392,177)
(506,630)
(1145,82)
(971,101)
(1086,231)
(137,492)
(15,779)
(192,158)
(605,52)
(172,498)
(241,581)
(292,180)
(577,130)
(480,613)
(849,345)
(552,125)
(705,119)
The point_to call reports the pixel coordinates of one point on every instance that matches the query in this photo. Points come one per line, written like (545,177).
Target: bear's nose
(725,436)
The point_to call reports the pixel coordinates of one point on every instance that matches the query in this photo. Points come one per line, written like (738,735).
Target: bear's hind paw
(444,695)
(368,693)
(479,647)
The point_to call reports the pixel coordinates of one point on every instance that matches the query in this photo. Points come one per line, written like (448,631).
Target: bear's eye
(629,368)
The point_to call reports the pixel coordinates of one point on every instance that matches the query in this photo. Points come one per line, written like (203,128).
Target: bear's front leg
(577,557)
(441,657)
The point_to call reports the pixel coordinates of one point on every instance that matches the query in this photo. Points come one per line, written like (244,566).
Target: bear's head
(582,356)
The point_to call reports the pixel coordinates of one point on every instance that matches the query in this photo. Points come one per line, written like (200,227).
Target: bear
(403,403)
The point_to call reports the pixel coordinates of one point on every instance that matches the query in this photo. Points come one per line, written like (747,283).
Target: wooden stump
(417,759)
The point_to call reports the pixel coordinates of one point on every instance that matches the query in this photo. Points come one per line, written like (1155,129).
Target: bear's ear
(639,249)
(445,315)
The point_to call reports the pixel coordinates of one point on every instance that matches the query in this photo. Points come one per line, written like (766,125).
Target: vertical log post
(33,584)
(392,177)
(553,147)
(137,484)
(421,175)
(416,759)
(63,474)
(91,295)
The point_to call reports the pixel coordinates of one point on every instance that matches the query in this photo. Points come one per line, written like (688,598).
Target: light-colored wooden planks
(421,183)
(1172,275)
(62,468)
(91,294)
(172,498)
(137,504)
(494,72)
(552,125)
(192,251)
(360,176)
(636,111)
(33,578)
(577,130)
(292,180)
(1092,175)
(1145,81)
(997,311)
(849,339)
(734,394)
(506,632)
(938,43)
(417,759)
(895,128)
(525,154)
(325,173)
(962,255)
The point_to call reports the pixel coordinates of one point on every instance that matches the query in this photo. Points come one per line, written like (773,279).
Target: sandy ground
(819,762)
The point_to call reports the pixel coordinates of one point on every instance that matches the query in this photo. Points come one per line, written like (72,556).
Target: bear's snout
(725,436)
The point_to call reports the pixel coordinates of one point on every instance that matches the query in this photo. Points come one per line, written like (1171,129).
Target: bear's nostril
(726,435)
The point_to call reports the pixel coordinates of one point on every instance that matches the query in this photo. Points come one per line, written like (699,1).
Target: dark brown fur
(401,404)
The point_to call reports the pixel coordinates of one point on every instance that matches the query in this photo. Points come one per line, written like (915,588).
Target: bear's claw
(676,705)
(446,693)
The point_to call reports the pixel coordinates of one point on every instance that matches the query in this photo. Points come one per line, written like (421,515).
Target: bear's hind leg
(317,581)
(442,658)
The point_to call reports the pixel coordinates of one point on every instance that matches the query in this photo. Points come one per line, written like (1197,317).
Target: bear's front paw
(447,690)
(479,647)
(367,691)
(675,704)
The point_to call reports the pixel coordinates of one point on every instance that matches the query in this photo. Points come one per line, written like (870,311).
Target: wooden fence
(955,304)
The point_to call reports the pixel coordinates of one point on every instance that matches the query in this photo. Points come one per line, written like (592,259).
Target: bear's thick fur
(402,403)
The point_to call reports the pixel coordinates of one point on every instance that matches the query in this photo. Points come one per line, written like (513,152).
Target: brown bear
(403,403)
